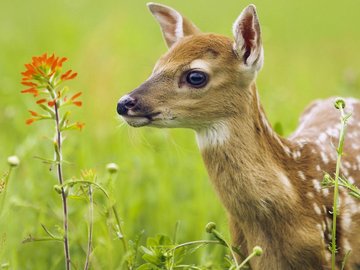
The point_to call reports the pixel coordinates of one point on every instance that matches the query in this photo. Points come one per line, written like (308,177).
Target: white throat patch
(212,136)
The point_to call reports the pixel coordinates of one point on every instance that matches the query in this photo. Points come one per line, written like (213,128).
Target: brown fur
(269,185)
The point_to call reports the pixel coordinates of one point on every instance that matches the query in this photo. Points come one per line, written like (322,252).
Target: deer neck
(245,160)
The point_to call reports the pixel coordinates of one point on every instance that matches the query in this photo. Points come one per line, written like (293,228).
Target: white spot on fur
(301,175)
(346,220)
(318,168)
(351,180)
(346,244)
(317,209)
(347,164)
(333,132)
(310,195)
(324,157)
(322,137)
(325,192)
(212,136)
(328,256)
(285,180)
(317,185)
(296,154)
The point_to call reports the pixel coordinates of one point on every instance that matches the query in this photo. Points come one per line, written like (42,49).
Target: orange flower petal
(31,91)
(77,103)
(33,113)
(50,60)
(79,125)
(76,96)
(54,63)
(72,76)
(61,61)
(51,103)
(28,83)
(30,121)
(67,73)
(41,101)
(43,57)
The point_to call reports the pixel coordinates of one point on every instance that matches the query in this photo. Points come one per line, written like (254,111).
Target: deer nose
(125,104)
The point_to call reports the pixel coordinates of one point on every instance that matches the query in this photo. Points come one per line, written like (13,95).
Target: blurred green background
(311,51)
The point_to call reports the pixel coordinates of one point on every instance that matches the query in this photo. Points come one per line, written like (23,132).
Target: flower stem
(58,154)
(91,221)
(7,177)
(336,187)
(247,259)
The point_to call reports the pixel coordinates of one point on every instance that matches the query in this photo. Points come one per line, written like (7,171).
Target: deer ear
(247,34)
(173,25)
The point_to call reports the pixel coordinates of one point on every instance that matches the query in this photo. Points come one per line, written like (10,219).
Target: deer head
(202,79)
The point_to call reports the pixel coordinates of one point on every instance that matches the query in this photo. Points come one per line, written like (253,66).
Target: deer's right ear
(173,25)
(247,36)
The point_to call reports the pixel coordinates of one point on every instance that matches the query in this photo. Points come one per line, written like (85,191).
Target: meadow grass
(311,51)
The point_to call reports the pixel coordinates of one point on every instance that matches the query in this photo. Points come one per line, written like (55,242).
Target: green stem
(7,177)
(336,189)
(122,237)
(91,222)
(58,154)
(220,237)
(247,259)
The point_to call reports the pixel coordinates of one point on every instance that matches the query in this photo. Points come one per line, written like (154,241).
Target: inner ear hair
(247,34)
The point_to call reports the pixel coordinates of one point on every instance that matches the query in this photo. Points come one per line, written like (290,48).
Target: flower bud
(112,168)
(339,103)
(258,251)
(210,227)
(13,161)
(57,188)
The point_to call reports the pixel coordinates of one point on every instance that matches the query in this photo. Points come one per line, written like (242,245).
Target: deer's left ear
(247,34)
(173,25)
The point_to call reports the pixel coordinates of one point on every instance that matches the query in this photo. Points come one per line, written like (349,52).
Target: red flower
(43,77)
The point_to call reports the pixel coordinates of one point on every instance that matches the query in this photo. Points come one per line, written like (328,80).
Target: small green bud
(112,168)
(339,103)
(57,188)
(13,161)
(327,177)
(210,227)
(258,251)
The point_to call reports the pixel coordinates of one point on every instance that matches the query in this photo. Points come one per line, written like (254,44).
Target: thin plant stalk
(247,259)
(7,177)
(91,222)
(336,186)
(58,154)
(120,234)
(119,230)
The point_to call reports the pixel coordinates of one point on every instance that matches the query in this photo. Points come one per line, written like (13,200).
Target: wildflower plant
(45,79)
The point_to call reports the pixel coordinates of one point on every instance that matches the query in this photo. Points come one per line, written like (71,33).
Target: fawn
(269,185)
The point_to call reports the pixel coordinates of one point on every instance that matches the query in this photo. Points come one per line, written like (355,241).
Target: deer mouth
(140,120)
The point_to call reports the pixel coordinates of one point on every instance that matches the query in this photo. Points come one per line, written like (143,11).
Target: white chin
(137,121)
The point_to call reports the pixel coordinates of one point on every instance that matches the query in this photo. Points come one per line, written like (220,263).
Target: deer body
(269,185)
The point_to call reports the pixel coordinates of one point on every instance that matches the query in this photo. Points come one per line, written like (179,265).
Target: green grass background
(311,51)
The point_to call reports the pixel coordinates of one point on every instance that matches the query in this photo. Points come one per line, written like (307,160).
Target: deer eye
(197,78)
